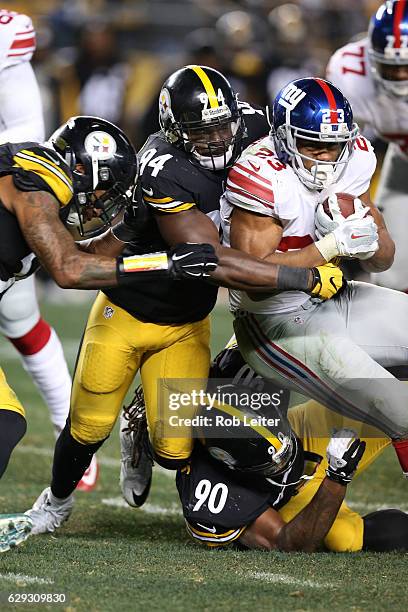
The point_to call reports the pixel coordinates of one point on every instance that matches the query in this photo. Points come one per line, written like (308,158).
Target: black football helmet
(240,436)
(198,110)
(101,158)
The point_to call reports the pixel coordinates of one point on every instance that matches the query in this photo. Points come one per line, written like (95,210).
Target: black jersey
(171,183)
(33,167)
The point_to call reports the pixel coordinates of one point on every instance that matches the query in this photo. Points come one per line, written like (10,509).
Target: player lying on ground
(336,351)
(282,487)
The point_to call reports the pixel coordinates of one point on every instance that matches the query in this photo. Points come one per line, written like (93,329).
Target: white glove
(357,237)
(324,224)
(343,453)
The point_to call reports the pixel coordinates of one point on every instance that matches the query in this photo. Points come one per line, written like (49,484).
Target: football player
(21,119)
(281,486)
(334,351)
(373,74)
(80,178)
(162,329)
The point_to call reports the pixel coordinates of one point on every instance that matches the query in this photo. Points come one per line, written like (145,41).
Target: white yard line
(289,580)
(20,578)
(118,502)
(380,505)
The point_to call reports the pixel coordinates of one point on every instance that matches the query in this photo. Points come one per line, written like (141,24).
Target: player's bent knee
(99,372)
(89,432)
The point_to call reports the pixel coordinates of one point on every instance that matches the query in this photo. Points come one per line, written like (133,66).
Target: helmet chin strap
(324,173)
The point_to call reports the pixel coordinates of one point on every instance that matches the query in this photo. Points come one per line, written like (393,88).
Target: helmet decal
(100,145)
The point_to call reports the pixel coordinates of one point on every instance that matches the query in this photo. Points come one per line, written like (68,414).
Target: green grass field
(110,557)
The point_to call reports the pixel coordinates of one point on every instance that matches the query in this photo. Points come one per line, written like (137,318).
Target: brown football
(346,204)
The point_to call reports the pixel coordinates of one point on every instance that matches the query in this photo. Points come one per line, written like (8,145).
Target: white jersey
(260,183)
(349,69)
(21,117)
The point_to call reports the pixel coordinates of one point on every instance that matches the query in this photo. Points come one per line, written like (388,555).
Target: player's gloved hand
(328,280)
(324,224)
(132,227)
(343,453)
(353,238)
(192,260)
(186,260)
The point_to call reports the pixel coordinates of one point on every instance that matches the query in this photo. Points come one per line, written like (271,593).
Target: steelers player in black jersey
(270,482)
(84,172)
(162,328)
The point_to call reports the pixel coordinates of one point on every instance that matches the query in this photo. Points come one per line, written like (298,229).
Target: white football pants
(335,352)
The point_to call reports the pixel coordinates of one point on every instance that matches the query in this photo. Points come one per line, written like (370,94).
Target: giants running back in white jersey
(260,183)
(349,69)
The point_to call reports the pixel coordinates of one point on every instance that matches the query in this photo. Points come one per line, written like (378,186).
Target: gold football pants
(115,346)
(314,423)
(8,399)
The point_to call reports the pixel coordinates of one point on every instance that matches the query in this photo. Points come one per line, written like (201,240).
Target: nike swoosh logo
(210,529)
(177,257)
(149,192)
(354,236)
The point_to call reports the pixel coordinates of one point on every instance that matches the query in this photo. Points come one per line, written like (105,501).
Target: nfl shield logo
(108,312)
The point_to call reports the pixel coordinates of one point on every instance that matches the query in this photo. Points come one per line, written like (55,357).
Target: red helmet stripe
(398,16)
(331,100)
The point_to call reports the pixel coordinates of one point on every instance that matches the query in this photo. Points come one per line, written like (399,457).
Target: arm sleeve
(21,117)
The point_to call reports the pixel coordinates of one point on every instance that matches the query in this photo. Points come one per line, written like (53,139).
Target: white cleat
(14,529)
(135,480)
(47,514)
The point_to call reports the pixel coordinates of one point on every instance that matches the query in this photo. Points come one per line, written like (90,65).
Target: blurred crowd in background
(110,57)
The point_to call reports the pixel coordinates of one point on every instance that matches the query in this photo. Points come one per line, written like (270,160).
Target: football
(346,204)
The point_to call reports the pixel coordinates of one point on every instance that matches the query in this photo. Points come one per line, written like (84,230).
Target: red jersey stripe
(23,42)
(294,242)
(245,194)
(331,100)
(241,181)
(399,14)
(253,173)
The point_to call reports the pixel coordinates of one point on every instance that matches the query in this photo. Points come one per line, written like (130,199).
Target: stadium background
(108,58)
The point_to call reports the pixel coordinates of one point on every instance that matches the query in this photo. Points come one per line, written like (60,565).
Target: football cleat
(14,529)
(47,515)
(136,460)
(90,478)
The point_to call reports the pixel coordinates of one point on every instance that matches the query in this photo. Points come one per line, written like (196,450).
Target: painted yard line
(20,578)
(118,502)
(381,505)
(289,580)
(103,460)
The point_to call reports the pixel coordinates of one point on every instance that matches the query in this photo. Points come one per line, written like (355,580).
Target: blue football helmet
(388,46)
(313,109)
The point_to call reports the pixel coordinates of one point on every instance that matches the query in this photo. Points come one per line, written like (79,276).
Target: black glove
(192,260)
(343,455)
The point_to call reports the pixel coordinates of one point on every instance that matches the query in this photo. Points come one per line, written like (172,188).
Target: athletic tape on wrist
(327,247)
(144,263)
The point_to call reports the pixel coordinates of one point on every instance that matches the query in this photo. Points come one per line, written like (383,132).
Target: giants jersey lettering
(17,38)
(349,69)
(260,183)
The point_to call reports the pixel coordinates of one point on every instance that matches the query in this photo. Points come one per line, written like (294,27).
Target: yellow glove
(328,281)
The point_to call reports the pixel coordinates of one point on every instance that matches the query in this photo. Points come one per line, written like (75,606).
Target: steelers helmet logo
(164,103)
(100,145)
(222,455)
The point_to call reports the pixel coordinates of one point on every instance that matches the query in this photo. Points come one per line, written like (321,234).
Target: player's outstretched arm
(236,269)
(307,530)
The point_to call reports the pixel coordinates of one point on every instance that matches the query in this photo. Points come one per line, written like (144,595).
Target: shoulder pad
(17,40)
(42,168)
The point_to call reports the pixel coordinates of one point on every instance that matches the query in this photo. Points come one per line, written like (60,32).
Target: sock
(43,358)
(12,428)
(401,448)
(71,460)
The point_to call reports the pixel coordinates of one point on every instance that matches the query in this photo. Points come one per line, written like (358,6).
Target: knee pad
(19,310)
